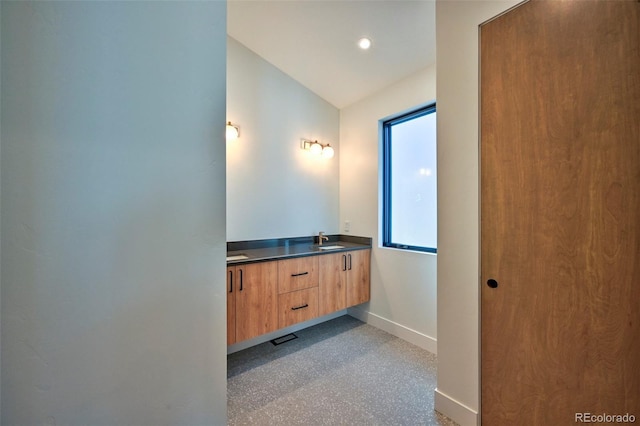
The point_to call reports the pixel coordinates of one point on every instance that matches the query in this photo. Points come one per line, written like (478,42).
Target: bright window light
(409,181)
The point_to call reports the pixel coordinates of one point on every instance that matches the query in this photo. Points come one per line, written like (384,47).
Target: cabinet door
(358,276)
(232,288)
(298,273)
(333,283)
(256,300)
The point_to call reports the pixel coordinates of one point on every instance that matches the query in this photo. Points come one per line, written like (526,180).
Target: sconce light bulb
(232,131)
(327,152)
(315,148)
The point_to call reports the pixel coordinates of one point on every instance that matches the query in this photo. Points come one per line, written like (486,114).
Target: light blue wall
(275,189)
(113,213)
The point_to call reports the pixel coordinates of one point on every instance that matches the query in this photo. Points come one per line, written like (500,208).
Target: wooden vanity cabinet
(333,283)
(297,274)
(358,277)
(297,290)
(344,280)
(267,296)
(252,300)
(231,304)
(297,306)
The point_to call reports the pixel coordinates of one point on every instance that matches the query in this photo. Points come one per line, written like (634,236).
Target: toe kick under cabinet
(267,296)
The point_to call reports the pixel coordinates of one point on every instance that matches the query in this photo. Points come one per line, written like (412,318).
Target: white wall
(457,394)
(403,284)
(275,189)
(113,218)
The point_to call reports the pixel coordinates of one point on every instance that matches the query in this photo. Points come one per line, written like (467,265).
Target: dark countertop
(283,248)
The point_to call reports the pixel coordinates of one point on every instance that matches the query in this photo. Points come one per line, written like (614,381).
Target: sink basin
(237,257)
(329,247)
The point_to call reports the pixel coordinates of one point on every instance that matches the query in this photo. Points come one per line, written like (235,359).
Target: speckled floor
(341,372)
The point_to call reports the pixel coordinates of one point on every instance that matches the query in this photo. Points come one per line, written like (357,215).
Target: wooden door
(232,288)
(332,286)
(560,212)
(358,276)
(256,300)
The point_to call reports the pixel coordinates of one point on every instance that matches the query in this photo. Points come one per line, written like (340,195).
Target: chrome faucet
(321,237)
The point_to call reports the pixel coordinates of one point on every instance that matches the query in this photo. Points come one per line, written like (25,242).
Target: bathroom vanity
(273,284)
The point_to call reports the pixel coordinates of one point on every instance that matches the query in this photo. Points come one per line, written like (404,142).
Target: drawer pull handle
(306,305)
(299,274)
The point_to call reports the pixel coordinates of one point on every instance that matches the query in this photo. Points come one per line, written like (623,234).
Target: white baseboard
(412,336)
(455,410)
(270,336)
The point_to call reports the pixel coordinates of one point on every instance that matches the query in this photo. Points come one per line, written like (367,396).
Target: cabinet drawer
(297,306)
(298,273)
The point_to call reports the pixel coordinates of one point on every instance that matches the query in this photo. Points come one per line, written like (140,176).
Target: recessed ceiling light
(364,43)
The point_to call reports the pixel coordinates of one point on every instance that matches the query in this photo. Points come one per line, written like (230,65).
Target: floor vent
(284,339)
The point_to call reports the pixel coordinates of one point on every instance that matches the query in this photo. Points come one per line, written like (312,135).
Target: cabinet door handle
(241,280)
(306,305)
(344,262)
(230,281)
(349,262)
(300,274)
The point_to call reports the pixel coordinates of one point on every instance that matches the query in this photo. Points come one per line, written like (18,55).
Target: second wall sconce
(233,131)
(316,148)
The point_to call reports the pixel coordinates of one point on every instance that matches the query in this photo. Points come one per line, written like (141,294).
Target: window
(409,212)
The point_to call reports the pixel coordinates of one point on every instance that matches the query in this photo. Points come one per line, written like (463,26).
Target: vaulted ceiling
(315,41)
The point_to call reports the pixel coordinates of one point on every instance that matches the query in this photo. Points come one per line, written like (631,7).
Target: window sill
(407,250)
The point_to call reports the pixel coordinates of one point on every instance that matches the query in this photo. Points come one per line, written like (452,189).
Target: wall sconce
(233,131)
(316,148)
